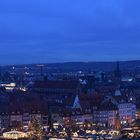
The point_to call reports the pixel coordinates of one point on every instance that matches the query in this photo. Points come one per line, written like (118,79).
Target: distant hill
(87,66)
(96,66)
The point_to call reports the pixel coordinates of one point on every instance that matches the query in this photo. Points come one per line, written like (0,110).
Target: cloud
(72,30)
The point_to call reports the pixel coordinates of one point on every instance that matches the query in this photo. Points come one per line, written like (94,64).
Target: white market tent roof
(14,135)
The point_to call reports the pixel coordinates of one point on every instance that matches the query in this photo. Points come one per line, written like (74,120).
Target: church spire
(118,72)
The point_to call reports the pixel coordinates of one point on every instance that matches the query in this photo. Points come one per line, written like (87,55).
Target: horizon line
(44,63)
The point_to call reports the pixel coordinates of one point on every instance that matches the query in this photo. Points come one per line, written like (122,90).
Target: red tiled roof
(56,84)
(106,88)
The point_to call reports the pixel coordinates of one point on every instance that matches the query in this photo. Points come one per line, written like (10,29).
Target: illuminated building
(127,112)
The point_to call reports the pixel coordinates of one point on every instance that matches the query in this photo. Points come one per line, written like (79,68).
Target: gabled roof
(107,106)
(86,102)
(56,84)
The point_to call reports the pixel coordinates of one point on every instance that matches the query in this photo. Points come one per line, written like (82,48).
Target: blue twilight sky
(69,30)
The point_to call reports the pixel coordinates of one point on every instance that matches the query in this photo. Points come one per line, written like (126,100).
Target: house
(127,112)
(83,107)
(4,120)
(105,114)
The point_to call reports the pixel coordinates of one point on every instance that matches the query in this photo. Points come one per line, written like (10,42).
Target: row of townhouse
(103,112)
(75,109)
(19,111)
(21,120)
(106,115)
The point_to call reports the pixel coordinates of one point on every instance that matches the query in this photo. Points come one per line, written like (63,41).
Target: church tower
(117,73)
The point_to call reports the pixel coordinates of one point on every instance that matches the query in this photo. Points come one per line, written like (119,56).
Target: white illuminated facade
(127,112)
(8,86)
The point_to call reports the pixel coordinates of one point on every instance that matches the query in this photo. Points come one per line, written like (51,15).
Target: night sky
(38,31)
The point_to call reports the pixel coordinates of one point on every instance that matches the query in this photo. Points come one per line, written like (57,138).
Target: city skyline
(63,31)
